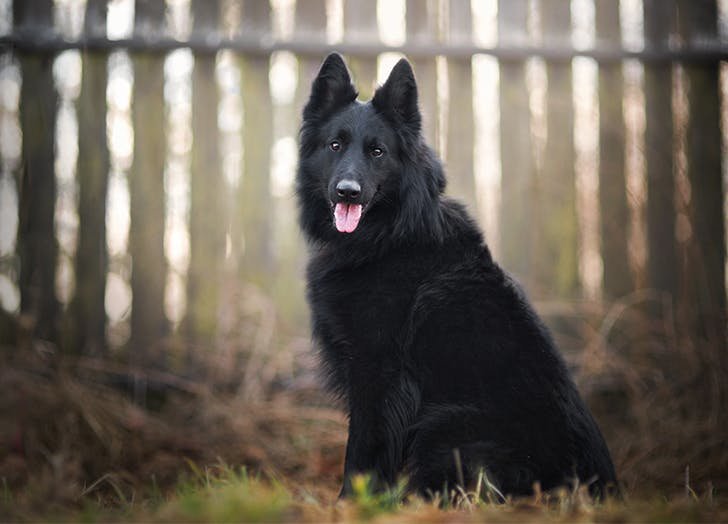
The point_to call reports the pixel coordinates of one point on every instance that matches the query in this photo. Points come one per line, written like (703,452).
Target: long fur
(432,346)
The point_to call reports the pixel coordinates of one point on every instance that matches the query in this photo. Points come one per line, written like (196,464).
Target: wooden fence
(241,232)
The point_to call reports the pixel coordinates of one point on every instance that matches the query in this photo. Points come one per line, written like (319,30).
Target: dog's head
(353,155)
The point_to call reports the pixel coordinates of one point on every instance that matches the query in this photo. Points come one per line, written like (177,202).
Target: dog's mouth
(347,216)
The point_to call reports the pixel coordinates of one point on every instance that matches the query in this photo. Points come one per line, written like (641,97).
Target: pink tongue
(346,217)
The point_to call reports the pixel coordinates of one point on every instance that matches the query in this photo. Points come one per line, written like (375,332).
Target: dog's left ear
(397,98)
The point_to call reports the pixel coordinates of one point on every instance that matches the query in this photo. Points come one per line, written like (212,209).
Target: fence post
(360,25)
(557,268)
(310,26)
(705,269)
(254,200)
(37,245)
(146,188)
(89,315)
(421,21)
(662,271)
(614,216)
(207,234)
(460,128)
(517,219)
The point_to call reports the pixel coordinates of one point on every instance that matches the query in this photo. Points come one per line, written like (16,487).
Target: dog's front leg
(361,458)
(378,426)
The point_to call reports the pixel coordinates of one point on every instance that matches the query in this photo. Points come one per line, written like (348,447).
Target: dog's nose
(348,190)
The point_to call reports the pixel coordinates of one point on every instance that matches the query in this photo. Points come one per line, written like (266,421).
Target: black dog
(434,348)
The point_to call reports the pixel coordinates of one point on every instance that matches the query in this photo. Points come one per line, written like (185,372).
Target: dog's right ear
(331,90)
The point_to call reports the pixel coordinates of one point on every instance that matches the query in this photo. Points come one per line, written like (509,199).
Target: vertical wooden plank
(37,246)
(460,127)
(207,234)
(662,273)
(310,20)
(422,24)
(360,26)
(8,329)
(557,269)
(705,269)
(89,316)
(614,217)
(146,188)
(94,22)
(517,164)
(254,200)
(310,25)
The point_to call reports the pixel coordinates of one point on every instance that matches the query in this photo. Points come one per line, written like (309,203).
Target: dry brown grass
(660,394)
(69,436)
(65,439)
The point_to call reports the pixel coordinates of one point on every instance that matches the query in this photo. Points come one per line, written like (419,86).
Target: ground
(75,446)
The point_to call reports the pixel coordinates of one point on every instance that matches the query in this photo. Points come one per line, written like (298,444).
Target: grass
(221,493)
(84,453)
(74,447)
(224,494)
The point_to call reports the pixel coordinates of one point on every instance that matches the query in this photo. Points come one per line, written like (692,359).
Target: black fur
(433,347)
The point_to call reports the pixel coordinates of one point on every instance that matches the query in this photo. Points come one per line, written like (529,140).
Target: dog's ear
(331,90)
(397,98)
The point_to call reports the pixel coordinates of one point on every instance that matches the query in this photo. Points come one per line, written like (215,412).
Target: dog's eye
(377,151)
(335,145)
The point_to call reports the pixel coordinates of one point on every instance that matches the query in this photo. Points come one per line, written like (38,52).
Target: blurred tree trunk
(662,272)
(614,216)
(89,314)
(705,264)
(557,268)
(37,245)
(459,150)
(147,197)
(517,219)
(360,26)
(207,231)
(254,200)
(422,27)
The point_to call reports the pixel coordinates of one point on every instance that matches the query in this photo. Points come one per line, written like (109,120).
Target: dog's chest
(361,310)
